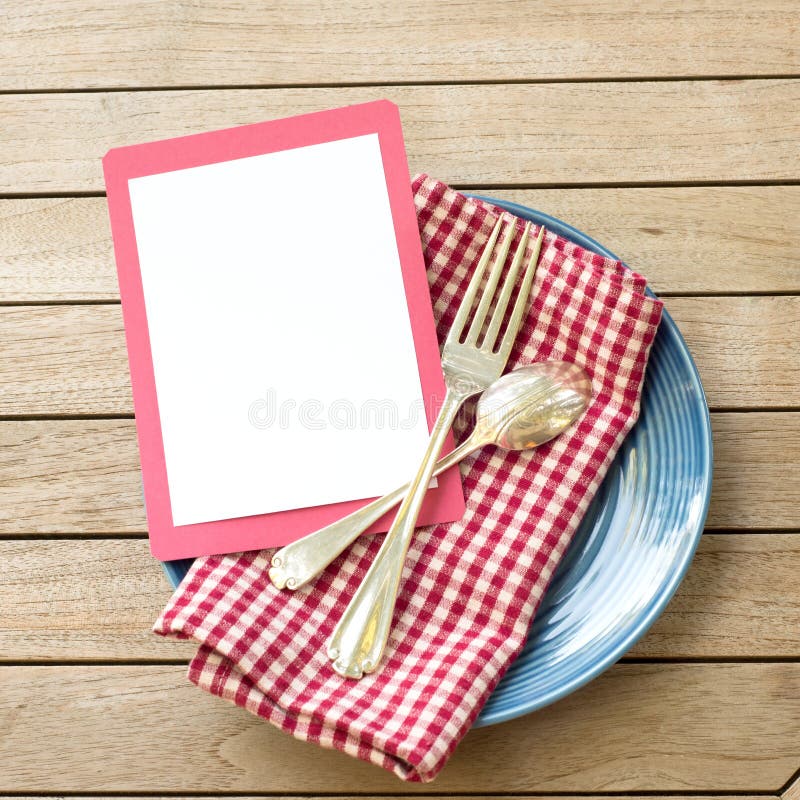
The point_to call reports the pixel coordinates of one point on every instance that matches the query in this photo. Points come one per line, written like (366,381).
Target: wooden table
(669,131)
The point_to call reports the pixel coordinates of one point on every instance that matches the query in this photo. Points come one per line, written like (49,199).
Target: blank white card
(282,348)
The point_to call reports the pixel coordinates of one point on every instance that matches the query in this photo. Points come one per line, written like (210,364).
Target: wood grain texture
(62,45)
(54,358)
(70,476)
(74,600)
(720,727)
(793,792)
(479,108)
(712,240)
(736,601)
(82,476)
(743,347)
(688,239)
(486,134)
(56,249)
(756,471)
(66,360)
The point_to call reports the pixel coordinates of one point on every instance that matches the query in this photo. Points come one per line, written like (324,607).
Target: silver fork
(359,638)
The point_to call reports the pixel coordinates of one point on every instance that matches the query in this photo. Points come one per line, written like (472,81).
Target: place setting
(414,460)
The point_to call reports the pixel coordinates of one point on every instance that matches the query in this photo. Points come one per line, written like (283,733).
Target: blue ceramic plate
(636,542)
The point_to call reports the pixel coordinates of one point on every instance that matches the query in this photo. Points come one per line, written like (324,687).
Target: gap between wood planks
(116,535)
(486,187)
(73,417)
(212,87)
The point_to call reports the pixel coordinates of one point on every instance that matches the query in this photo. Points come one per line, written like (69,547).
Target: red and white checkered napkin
(470,588)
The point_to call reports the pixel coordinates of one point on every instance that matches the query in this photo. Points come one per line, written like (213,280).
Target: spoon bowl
(531,405)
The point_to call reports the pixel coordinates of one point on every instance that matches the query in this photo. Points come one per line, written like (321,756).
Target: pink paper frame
(167,541)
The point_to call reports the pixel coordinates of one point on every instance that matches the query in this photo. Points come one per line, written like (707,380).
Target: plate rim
(662,598)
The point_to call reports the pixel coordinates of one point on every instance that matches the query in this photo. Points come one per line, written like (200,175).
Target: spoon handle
(297,563)
(361,634)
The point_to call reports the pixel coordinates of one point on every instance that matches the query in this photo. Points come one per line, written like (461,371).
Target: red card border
(167,541)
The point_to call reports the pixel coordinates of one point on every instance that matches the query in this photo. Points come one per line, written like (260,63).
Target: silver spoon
(519,411)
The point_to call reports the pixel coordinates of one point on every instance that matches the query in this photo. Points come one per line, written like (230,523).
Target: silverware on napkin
(519,411)
(469,366)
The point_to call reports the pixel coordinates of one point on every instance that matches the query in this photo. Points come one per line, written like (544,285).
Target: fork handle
(297,563)
(361,634)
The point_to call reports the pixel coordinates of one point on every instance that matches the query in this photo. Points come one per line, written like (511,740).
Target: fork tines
(496,311)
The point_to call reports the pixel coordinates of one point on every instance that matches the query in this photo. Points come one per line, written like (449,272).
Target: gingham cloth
(470,588)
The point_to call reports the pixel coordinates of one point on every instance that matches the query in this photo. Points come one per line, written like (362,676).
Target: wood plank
(82,476)
(72,600)
(514,134)
(688,239)
(756,471)
(54,358)
(71,476)
(709,240)
(60,45)
(63,360)
(746,348)
(793,792)
(713,727)
(733,603)
(52,250)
